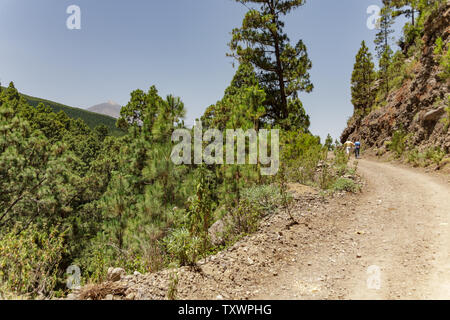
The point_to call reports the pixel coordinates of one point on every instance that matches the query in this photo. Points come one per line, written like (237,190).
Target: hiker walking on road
(348,145)
(357,149)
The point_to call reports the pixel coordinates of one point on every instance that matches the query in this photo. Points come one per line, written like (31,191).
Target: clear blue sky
(177,45)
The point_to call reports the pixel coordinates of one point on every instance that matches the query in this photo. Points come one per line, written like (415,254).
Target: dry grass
(100,291)
(301,189)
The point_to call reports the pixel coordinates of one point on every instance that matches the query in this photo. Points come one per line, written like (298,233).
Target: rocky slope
(418,106)
(396,225)
(237,272)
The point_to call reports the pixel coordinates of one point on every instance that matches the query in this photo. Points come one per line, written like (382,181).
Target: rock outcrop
(419,104)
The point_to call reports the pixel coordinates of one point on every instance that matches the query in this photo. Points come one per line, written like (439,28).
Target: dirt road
(393,242)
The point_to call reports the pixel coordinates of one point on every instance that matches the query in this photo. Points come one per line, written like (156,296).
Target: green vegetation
(363,78)
(173,286)
(30,263)
(329,143)
(370,87)
(429,156)
(398,143)
(265,198)
(446,120)
(443,58)
(282,68)
(402,148)
(383,48)
(71,194)
(346,184)
(92,119)
(182,247)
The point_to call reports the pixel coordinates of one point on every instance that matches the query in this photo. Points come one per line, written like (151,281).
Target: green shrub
(433,155)
(397,71)
(173,286)
(415,158)
(96,264)
(265,198)
(398,143)
(245,218)
(340,161)
(446,120)
(183,247)
(300,154)
(443,58)
(326,177)
(411,34)
(345,184)
(439,46)
(101,255)
(29,261)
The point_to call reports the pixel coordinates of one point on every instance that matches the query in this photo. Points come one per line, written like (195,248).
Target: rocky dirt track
(399,226)
(395,231)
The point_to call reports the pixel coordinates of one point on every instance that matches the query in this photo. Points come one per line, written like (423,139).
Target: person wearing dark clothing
(357,149)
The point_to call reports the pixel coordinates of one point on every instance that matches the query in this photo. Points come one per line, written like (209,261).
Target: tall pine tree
(363,77)
(384,70)
(382,44)
(383,37)
(282,69)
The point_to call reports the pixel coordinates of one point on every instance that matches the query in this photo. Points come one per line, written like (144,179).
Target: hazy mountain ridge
(91,118)
(110,108)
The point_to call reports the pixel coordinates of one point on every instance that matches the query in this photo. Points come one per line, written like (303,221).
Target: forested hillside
(92,119)
(403,107)
(71,195)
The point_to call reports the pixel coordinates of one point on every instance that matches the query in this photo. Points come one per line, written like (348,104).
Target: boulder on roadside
(216,232)
(115,274)
(433,115)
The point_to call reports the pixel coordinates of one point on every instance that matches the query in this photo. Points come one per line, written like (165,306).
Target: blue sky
(177,45)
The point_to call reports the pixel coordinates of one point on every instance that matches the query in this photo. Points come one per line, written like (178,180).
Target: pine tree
(102,132)
(37,179)
(383,37)
(329,143)
(363,78)
(243,102)
(12,93)
(139,202)
(282,69)
(298,119)
(384,70)
(169,116)
(408,8)
(245,77)
(140,107)
(201,207)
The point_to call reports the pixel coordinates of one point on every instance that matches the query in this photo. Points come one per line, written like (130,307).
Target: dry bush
(100,291)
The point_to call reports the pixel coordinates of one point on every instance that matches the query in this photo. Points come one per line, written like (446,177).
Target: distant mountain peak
(109,108)
(113,103)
